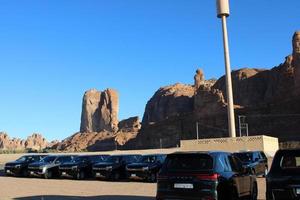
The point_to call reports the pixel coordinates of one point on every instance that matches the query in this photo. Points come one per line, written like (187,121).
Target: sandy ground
(41,189)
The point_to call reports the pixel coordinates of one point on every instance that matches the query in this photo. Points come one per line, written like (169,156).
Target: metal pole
(197,130)
(231,120)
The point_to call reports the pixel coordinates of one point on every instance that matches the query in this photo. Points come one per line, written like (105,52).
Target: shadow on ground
(106,197)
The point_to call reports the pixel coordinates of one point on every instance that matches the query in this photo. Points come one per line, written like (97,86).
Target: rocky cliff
(99,111)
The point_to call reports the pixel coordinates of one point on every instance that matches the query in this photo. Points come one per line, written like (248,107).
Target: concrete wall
(259,143)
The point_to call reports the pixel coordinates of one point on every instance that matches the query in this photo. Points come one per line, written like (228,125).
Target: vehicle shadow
(105,197)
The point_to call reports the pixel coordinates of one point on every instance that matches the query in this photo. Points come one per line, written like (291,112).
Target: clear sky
(52,51)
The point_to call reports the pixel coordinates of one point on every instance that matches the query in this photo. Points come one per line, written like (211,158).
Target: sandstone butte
(269,98)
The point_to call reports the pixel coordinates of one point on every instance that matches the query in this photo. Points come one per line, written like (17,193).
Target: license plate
(8,171)
(63,173)
(98,174)
(183,186)
(31,172)
(297,190)
(133,175)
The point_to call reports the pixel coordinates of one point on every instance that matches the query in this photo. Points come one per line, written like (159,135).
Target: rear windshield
(245,157)
(290,162)
(189,162)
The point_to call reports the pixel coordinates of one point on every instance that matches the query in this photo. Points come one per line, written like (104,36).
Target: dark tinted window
(97,158)
(131,158)
(245,157)
(65,159)
(148,159)
(235,164)
(81,159)
(290,162)
(113,159)
(49,159)
(188,162)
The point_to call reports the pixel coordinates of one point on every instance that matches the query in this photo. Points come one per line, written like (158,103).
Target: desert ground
(41,189)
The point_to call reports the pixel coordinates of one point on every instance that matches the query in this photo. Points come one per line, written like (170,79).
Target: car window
(49,159)
(235,164)
(290,162)
(64,159)
(245,157)
(189,162)
(227,164)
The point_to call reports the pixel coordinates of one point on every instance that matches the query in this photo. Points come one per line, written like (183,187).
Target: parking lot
(42,189)
(55,189)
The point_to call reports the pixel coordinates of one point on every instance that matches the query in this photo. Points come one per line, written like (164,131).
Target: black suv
(114,167)
(283,179)
(205,175)
(48,166)
(146,168)
(81,166)
(20,166)
(256,160)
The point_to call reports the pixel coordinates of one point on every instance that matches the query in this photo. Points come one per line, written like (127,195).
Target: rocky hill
(100,128)
(269,100)
(33,142)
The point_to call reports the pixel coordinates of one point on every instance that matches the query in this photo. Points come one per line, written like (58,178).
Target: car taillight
(210,177)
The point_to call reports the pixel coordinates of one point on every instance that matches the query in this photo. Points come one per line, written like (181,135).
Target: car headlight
(17,166)
(44,169)
(109,168)
(145,168)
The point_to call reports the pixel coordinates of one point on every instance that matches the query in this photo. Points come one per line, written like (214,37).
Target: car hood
(105,164)
(15,163)
(70,164)
(139,165)
(40,164)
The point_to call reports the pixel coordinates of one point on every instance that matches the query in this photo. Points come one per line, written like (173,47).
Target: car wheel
(80,175)
(48,174)
(153,177)
(116,176)
(24,173)
(254,192)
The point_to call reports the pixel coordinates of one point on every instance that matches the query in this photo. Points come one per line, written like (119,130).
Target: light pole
(223,13)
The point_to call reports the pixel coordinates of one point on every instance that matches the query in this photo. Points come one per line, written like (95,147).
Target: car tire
(80,175)
(116,176)
(48,174)
(254,192)
(24,173)
(153,177)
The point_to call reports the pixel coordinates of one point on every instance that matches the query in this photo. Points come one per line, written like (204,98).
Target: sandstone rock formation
(34,142)
(99,111)
(103,140)
(169,101)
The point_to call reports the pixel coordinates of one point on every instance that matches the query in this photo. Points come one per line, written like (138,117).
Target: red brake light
(210,177)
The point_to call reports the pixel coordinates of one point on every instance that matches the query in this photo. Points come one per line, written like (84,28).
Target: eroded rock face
(169,101)
(99,111)
(35,142)
(295,59)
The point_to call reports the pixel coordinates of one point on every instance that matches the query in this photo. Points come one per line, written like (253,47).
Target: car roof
(200,152)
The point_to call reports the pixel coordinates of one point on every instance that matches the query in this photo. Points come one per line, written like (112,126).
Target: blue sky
(53,50)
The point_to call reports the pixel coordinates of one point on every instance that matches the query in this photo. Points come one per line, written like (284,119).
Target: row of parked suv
(113,167)
(182,175)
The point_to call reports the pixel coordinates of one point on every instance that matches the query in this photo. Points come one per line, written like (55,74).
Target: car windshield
(132,158)
(80,159)
(189,162)
(245,157)
(24,158)
(49,159)
(113,159)
(65,159)
(148,159)
(290,162)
